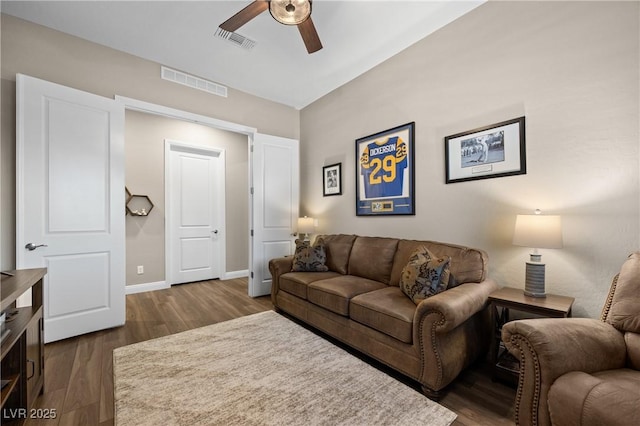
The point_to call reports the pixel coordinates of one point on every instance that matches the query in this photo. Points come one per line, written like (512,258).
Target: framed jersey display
(385,173)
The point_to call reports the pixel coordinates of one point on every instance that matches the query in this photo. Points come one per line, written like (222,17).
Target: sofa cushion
(633,349)
(623,313)
(467,265)
(296,282)
(335,293)
(338,248)
(387,310)
(372,257)
(607,397)
(425,275)
(309,258)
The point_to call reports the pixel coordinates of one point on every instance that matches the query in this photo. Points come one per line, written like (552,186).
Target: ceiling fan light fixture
(290,12)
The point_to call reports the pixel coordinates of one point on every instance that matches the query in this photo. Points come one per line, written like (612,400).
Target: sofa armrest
(277,267)
(453,306)
(450,329)
(550,347)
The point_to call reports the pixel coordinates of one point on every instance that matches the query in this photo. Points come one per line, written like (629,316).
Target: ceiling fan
(287,12)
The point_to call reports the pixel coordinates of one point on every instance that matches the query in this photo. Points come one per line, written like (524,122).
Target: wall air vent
(235,39)
(193,81)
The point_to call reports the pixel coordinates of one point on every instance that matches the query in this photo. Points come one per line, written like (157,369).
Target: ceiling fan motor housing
(290,12)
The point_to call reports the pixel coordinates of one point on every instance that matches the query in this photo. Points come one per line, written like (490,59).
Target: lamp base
(534,280)
(527,293)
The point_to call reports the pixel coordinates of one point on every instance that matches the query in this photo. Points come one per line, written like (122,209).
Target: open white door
(194,179)
(70,204)
(275,204)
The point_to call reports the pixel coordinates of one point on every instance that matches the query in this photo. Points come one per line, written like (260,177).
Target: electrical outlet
(140,269)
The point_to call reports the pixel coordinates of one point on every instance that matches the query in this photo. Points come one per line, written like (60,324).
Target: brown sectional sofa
(358,301)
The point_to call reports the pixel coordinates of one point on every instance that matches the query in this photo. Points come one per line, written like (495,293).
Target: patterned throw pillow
(308,258)
(425,275)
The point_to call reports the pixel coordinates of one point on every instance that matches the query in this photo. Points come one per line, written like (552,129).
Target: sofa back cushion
(467,265)
(624,304)
(338,249)
(372,257)
(622,309)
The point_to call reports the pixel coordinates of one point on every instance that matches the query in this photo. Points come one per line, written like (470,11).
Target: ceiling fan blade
(245,15)
(310,35)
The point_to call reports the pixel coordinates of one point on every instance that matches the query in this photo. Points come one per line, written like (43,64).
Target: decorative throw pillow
(425,275)
(308,258)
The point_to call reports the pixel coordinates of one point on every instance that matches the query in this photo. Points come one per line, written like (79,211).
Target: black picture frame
(332,180)
(492,151)
(385,172)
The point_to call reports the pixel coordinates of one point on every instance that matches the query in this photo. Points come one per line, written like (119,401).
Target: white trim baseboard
(162,285)
(236,274)
(141,288)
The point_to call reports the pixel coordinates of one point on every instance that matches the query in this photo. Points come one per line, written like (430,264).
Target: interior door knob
(215,231)
(32,247)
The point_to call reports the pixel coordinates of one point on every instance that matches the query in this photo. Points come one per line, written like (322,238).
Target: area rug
(262,369)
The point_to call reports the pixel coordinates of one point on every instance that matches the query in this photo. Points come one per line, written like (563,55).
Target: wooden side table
(505,366)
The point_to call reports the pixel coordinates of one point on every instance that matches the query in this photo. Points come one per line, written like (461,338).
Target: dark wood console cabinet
(22,359)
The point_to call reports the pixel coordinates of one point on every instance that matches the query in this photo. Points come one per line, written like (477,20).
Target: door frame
(219,153)
(164,111)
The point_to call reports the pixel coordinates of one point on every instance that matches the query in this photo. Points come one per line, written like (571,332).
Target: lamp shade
(290,12)
(538,231)
(305,225)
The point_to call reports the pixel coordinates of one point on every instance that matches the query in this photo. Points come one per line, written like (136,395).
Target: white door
(195,210)
(70,201)
(275,186)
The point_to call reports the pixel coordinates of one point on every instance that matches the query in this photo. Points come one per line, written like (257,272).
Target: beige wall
(145,136)
(50,55)
(572,69)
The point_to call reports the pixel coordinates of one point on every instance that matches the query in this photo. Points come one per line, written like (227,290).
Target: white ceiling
(356,35)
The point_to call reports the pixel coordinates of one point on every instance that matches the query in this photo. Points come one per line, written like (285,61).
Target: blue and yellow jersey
(382,165)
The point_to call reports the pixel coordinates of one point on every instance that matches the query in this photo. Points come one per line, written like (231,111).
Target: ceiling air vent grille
(235,38)
(193,81)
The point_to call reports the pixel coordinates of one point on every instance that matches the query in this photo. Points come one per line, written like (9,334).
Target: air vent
(193,81)
(235,39)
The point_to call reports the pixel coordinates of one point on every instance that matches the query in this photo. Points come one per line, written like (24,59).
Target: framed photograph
(488,152)
(332,180)
(385,173)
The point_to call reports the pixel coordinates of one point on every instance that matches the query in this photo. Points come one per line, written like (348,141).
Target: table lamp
(305,226)
(537,231)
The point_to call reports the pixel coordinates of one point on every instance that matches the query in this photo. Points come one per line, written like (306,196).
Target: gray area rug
(261,369)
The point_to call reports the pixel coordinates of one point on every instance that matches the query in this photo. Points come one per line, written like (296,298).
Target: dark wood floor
(79,371)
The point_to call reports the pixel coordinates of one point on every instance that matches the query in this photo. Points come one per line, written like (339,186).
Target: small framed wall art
(332,180)
(385,172)
(492,151)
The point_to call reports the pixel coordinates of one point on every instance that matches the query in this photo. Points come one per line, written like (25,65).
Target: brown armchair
(581,371)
